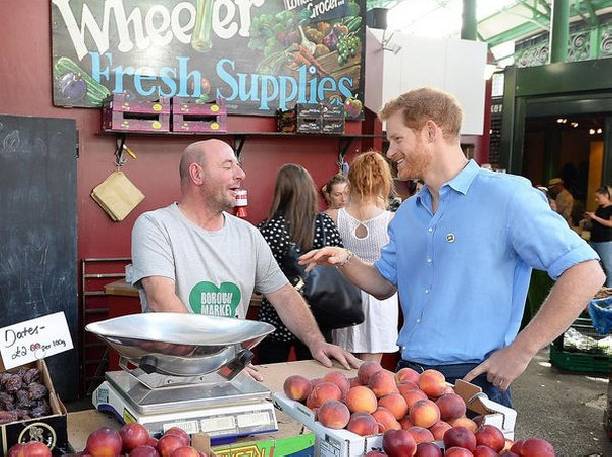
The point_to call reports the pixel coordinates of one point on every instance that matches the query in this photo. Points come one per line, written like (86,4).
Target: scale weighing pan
(180,344)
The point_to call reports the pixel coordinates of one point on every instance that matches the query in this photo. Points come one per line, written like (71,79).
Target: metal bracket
(120,158)
(238,144)
(343,146)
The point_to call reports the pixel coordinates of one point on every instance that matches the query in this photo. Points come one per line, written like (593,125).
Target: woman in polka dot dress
(293,220)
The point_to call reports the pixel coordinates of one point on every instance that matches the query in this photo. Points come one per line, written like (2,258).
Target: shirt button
(430,230)
(426,291)
(428,259)
(418,321)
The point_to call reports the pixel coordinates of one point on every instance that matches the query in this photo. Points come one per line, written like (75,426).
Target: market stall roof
(499,21)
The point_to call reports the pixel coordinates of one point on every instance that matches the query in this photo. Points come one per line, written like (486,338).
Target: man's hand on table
(325,352)
(253,372)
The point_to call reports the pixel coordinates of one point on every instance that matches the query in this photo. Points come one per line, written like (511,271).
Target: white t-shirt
(215,273)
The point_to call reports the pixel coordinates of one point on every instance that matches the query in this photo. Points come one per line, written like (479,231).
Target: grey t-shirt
(214,272)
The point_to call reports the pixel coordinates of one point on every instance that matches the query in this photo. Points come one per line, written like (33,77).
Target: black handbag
(334,301)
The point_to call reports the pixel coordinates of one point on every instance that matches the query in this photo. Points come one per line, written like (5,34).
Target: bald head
(199,152)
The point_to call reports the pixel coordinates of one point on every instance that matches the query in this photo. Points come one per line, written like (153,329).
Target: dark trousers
(458,371)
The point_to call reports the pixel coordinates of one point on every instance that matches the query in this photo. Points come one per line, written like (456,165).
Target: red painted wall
(25,89)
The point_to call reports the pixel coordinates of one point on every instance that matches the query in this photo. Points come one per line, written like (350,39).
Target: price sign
(35,339)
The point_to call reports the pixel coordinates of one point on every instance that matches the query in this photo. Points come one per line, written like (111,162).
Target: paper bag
(117,196)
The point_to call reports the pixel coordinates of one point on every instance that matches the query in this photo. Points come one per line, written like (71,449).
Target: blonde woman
(362,224)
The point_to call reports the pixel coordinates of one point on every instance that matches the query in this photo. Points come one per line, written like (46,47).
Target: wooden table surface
(82,423)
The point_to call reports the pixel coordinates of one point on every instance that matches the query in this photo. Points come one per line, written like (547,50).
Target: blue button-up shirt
(463,272)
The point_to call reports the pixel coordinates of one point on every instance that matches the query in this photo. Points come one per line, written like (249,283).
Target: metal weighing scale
(185,370)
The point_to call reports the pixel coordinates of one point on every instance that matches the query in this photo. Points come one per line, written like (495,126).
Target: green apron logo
(206,298)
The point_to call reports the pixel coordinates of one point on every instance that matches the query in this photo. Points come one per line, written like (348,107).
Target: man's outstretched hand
(325,256)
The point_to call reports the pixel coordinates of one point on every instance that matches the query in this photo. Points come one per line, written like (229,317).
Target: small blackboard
(38,238)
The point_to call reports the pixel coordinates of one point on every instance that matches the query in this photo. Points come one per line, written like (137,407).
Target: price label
(35,339)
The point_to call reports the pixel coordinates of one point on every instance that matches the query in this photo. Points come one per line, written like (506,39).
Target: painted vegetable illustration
(68,74)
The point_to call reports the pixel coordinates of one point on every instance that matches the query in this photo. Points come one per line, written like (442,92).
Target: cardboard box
(308,125)
(186,105)
(342,443)
(135,122)
(308,109)
(51,430)
(202,123)
(135,114)
(332,126)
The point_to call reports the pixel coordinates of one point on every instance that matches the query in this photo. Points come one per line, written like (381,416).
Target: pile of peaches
(133,440)
(412,411)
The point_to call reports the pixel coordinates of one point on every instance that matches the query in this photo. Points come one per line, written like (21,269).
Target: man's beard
(416,165)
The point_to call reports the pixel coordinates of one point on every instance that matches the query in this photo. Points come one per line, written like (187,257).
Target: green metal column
(469,27)
(559,31)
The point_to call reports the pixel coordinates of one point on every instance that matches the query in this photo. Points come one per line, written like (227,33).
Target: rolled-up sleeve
(541,237)
(387,265)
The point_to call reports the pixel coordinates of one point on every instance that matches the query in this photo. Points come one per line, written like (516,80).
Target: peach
(321,393)
(133,435)
(169,443)
(439,429)
(144,451)
(34,449)
(428,450)
(412,396)
(179,432)
(407,375)
(484,451)
(420,434)
(508,454)
(339,379)
(406,423)
(461,437)
(316,381)
(354,382)
(395,403)
(448,390)
(451,406)
(536,447)
(424,413)
(362,424)
(457,452)
(399,443)
(104,442)
(185,451)
(408,385)
(385,420)
(464,422)
(432,382)
(516,447)
(366,370)
(491,436)
(297,388)
(382,383)
(361,399)
(333,414)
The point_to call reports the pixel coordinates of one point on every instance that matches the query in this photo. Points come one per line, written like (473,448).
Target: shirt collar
(460,183)
(463,181)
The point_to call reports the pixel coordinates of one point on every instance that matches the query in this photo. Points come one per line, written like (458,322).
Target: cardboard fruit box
(342,443)
(51,429)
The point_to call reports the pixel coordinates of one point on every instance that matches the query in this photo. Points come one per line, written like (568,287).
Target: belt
(450,370)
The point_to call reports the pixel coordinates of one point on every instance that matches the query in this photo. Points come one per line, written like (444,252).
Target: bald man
(195,257)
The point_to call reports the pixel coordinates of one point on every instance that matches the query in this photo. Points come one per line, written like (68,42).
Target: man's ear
(430,130)
(196,173)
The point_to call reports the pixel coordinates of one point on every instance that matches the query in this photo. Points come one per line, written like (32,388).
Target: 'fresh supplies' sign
(258,55)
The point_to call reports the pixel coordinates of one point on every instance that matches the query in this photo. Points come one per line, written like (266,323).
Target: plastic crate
(579,361)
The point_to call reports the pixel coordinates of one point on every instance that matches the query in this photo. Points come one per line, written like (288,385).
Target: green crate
(579,361)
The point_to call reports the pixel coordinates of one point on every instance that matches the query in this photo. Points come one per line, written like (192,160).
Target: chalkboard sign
(38,230)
